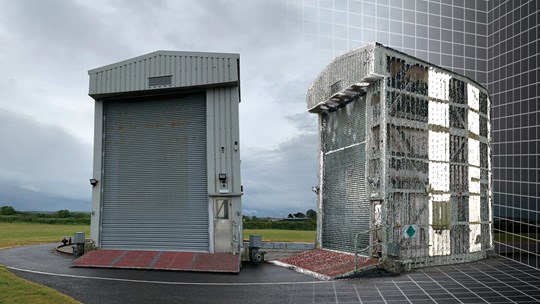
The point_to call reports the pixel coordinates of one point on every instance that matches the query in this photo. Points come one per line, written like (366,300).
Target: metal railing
(356,251)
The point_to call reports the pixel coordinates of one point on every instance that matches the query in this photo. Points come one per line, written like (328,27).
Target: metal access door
(222,225)
(154,179)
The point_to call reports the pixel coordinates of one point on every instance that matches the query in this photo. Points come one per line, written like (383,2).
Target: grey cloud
(27,200)
(46,47)
(62,32)
(305,122)
(41,161)
(278,182)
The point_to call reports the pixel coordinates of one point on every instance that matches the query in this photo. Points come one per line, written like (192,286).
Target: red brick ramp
(160,260)
(326,264)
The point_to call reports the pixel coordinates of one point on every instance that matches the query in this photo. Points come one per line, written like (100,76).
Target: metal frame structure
(405,159)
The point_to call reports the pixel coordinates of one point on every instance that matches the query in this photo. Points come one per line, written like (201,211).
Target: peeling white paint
(439,242)
(473,94)
(439,143)
(438,84)
(438,113)
(439,176)
(474,238)
(474,180)
(474,209)
(474,122)
(474,152)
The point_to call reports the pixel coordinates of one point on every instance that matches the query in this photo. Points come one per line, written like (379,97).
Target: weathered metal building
(166,153)
(405,159)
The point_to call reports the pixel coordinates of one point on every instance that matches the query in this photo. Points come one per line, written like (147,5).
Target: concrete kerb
(310,273)
(65,249)
(285,246)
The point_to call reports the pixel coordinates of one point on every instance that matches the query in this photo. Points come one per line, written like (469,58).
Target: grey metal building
(166,170)
(405,159)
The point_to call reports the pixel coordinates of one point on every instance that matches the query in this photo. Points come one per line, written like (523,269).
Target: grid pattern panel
(514,78)
(489,281)
(452,34)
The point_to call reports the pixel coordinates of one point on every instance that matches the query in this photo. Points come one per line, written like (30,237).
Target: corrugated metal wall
(223,139)
(154,179)
(346,210)
(186,69)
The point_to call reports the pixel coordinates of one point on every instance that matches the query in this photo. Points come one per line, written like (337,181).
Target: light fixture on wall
(222,177)
(93,182)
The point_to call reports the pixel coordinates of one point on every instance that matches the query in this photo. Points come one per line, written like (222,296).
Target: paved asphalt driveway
(490,281)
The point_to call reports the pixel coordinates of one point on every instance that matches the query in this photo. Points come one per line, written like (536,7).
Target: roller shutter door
(346,210)
(154,180)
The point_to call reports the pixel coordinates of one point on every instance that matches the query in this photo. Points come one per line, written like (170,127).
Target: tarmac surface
(496,280)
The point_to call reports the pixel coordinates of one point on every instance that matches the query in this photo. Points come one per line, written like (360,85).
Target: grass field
(275,235)
(16,290)
(19,234)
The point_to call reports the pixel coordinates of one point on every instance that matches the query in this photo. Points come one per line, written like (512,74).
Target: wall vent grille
(160,81)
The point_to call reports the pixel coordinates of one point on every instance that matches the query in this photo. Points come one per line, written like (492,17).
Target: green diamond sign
(410,232)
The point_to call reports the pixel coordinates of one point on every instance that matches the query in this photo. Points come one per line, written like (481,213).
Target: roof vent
(160,81)
(336,87)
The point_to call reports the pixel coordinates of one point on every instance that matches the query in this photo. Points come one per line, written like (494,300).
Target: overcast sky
(46,116)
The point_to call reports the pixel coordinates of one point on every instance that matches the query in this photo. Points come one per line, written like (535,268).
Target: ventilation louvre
(159,81)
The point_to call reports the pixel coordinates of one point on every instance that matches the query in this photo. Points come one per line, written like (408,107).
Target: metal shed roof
(165,70)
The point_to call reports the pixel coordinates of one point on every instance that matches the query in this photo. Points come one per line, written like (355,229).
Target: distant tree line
(8,214)
(310,214)
(296,221)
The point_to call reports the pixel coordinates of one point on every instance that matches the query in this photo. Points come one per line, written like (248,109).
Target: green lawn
(16,290)
(19,234)
(276,235)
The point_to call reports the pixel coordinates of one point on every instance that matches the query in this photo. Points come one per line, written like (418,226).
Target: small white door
(376,228)
(222,225)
